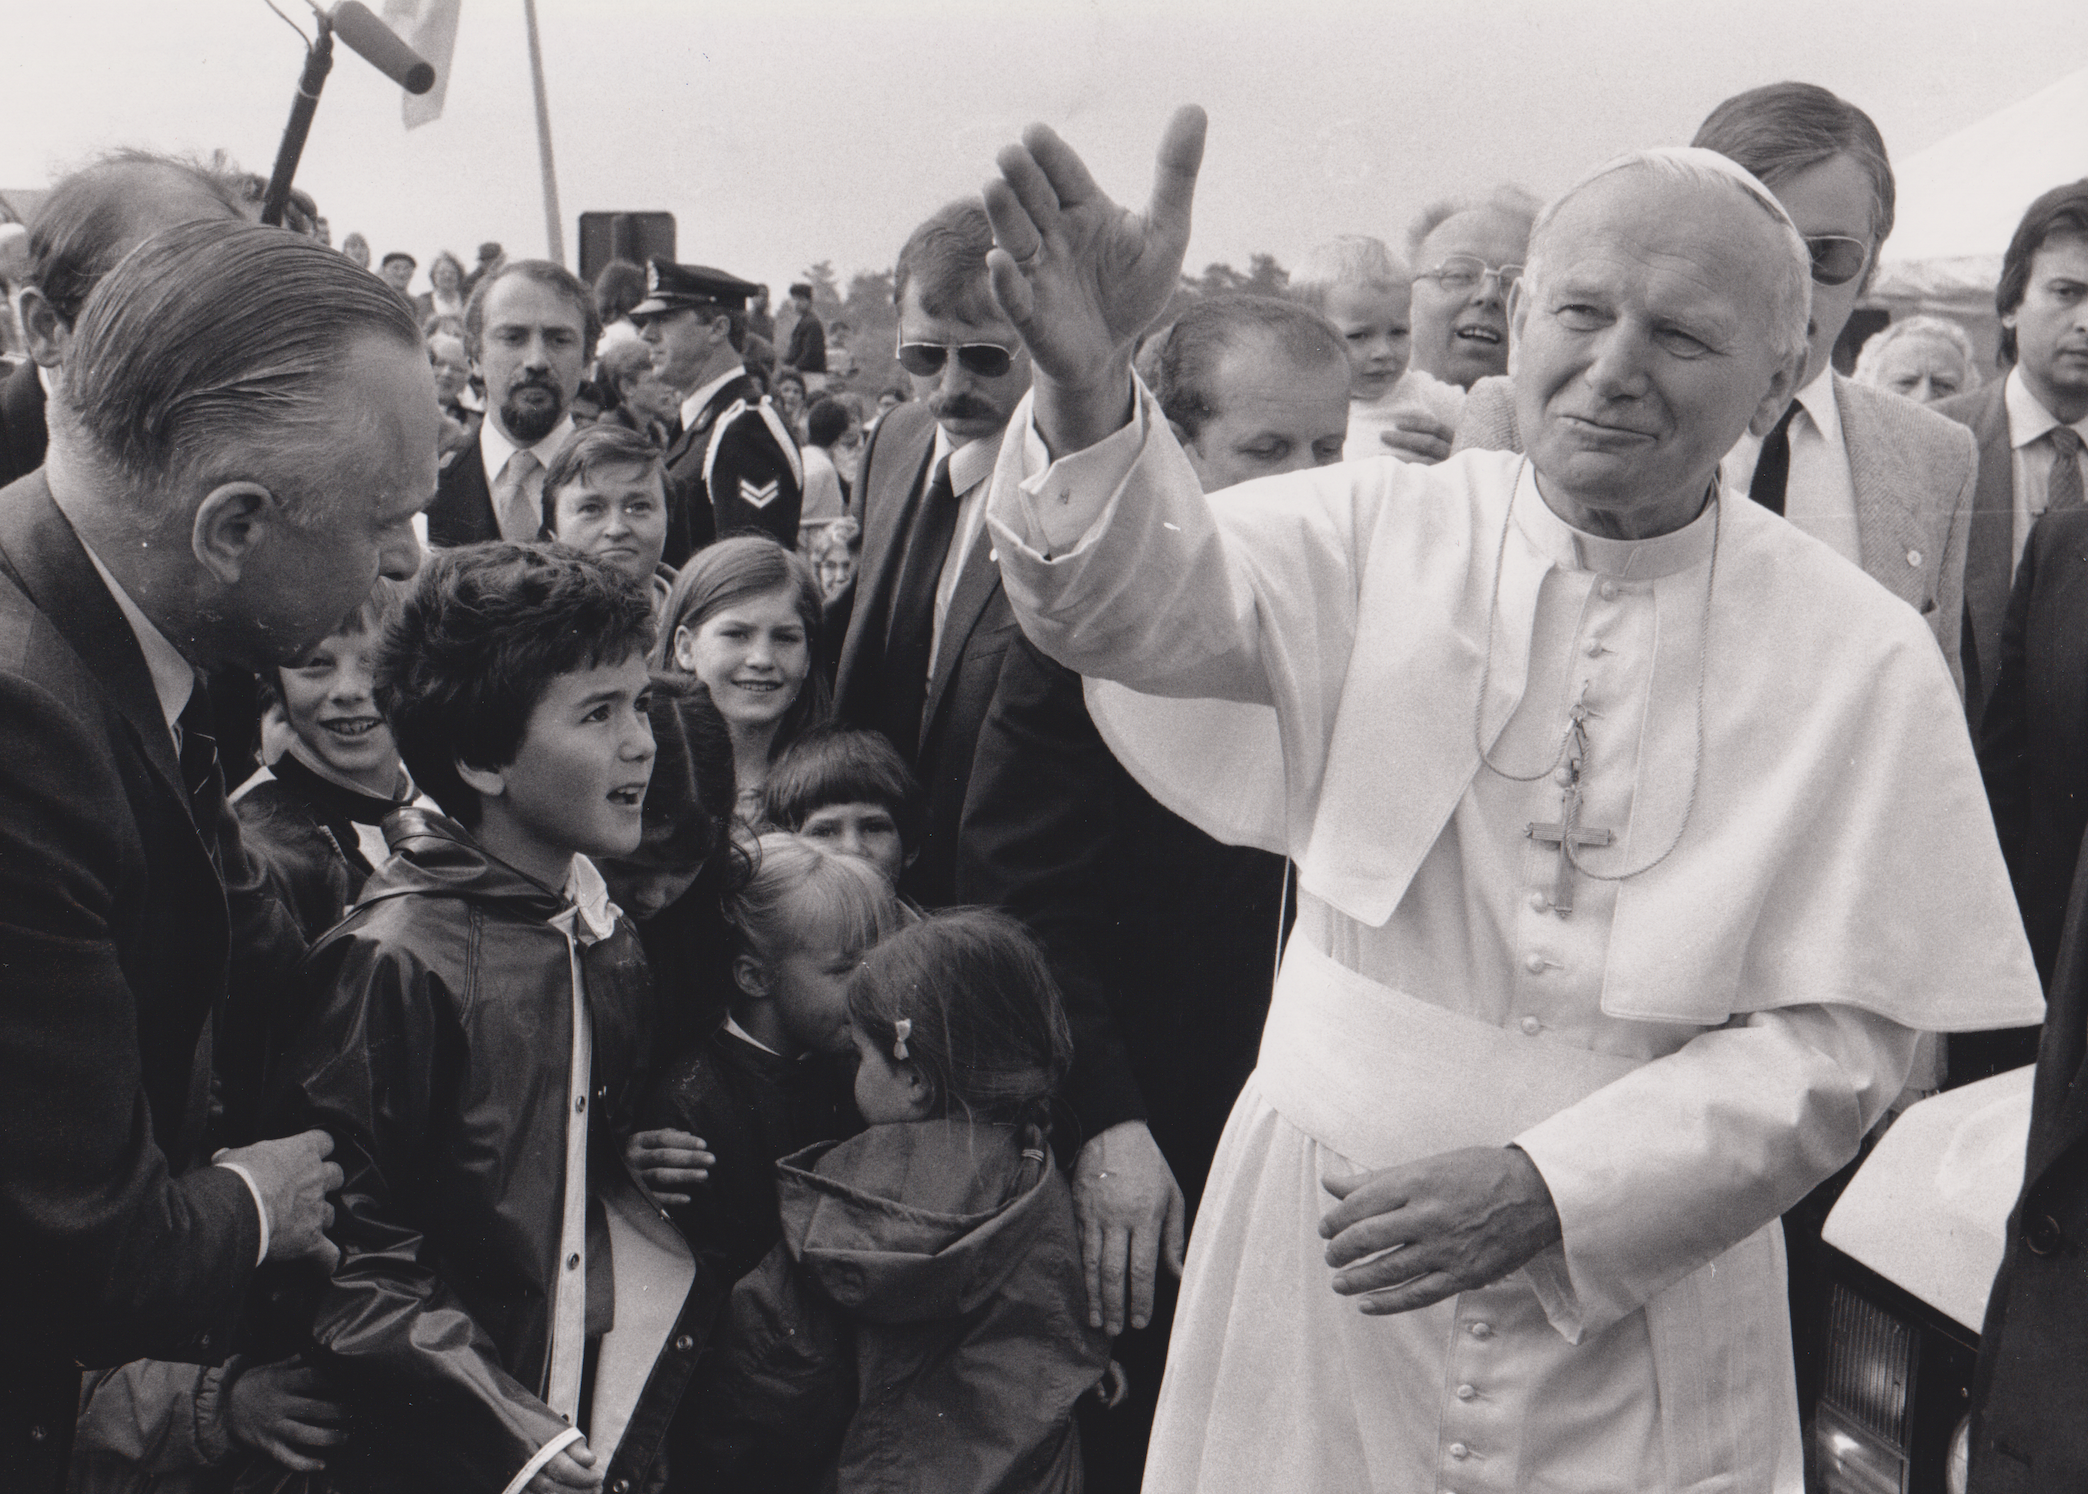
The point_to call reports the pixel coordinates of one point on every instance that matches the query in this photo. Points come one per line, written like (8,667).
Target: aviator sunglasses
(986,360)
(1836,258)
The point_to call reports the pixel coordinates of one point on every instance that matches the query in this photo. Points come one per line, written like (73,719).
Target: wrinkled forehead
(1648,226)
(976,318)
(1493,234)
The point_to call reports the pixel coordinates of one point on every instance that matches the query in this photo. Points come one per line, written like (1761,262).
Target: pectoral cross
(1566,832)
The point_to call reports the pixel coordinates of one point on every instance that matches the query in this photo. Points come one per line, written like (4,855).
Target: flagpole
(554,230)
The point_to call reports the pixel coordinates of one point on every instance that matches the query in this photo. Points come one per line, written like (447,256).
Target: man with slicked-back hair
(243,434)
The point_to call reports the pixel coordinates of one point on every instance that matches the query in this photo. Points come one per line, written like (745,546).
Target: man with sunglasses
(733,465)
(1884,482)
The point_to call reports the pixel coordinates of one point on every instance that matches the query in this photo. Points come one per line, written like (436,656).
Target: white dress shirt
(970,465)
(2029,422)
(1820,495)
(693,405)
(495,449)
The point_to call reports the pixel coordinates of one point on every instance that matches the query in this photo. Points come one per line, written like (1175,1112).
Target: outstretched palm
(1078,275)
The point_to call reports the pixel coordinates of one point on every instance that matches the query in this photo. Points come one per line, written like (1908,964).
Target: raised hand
(1080,276)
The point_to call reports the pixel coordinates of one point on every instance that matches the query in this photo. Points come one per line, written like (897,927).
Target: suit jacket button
(1913,557)
(684,1343)
(2043,1236)
(37,1434)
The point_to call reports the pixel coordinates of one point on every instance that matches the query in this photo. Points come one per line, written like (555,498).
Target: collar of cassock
(589,915)
(1630,560)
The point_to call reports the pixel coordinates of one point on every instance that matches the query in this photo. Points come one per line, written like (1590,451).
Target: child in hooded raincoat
(923,1323)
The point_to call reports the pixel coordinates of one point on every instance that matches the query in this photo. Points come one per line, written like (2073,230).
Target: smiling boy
(505,1309)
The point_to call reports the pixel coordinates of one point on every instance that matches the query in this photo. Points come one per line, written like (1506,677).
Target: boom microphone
(378,45)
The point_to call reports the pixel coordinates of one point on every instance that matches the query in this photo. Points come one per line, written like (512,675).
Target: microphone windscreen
(378,45)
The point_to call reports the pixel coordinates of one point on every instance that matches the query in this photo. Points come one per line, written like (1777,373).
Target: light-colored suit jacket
(1913,472)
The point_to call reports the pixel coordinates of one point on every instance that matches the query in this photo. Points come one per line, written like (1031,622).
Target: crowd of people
(581,909)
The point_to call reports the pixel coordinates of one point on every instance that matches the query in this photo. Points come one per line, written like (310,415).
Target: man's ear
(231,524)
(748,975)
(1782,388)
(1518,313)
(487,783)
(44,328)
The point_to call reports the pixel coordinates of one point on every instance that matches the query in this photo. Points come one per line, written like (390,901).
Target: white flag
(430,28)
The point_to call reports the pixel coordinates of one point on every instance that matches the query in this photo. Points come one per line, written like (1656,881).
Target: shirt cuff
(260,1208)
(1061,502)
(543,1455)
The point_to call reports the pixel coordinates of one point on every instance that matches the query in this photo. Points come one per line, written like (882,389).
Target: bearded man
(1607,949)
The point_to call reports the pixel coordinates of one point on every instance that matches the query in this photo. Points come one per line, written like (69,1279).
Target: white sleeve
(260,1208)
(1675,1163)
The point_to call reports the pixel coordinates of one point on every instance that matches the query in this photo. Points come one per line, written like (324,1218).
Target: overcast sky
(781,132)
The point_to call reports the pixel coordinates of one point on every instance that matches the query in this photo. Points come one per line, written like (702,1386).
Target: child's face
(1374,324)
(326,696)
(577,784)
(617,514)
(887,1091)
(864,830)
(809,985)
(753,655)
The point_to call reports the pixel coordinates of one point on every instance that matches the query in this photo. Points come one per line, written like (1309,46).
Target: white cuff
(544,1455)
(259,1207)
(1062,502)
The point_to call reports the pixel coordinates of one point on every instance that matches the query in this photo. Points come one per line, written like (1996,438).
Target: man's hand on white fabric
(1132,1218)
(1417,436)
(1405,1237)
(572,1470)
(1080,277)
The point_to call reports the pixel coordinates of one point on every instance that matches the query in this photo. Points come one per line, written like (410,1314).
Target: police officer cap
(670,287)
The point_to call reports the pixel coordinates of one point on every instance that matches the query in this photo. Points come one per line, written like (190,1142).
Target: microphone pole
(318,63)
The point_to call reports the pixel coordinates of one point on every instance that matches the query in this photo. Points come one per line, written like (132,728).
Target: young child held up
(312,821)
(932,1261)
(475,1035)
(775,1076)
(1355,283)
(850,789)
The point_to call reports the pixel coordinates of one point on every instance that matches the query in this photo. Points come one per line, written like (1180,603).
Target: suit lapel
(1888,526)
(1990,544)
(40,550)
(894,479)
(977,585)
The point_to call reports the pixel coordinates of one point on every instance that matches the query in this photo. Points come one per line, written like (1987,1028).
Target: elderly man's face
(2051,326)
(532,355)
(1835,198)
(1922,368)
(1646,349)
(1461,330)
(1274,414)
(967,405)
(361,487)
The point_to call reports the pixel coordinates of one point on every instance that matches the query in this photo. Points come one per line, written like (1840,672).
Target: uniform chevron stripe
(757,496)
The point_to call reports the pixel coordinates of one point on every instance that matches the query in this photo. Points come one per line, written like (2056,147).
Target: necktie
(519,506)
(910,637)
(1772,471)
(200,772)
(2063,487)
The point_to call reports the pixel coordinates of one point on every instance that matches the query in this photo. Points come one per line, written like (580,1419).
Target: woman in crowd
(446,296)
(743,618)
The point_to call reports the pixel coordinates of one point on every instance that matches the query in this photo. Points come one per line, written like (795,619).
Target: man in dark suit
(134,931)
(732,465)
(531,329)
(2030,425)
(928,634)
(807,348)
(1173,934)
(88,222)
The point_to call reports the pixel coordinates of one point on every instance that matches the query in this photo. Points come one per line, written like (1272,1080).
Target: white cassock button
(1609,591)
(1459,1451)
(1913,557)
(1539,901)
(1564,777)
(1595,650)
(1534,964)
(1466,1392)
(1481,1330)
(1531,1026)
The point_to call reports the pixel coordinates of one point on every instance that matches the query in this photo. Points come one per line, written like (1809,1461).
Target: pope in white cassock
(1637,835)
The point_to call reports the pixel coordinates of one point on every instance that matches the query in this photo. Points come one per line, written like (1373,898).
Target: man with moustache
(928,637)
(1637,836)
(530,329)
(733,465)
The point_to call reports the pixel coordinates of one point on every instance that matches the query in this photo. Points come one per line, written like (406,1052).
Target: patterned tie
(1772,471)
(2063,487)
(910,636)
(519,501)
(201,774)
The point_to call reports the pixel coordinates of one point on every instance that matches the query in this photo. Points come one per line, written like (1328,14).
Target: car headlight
(1866,1395)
